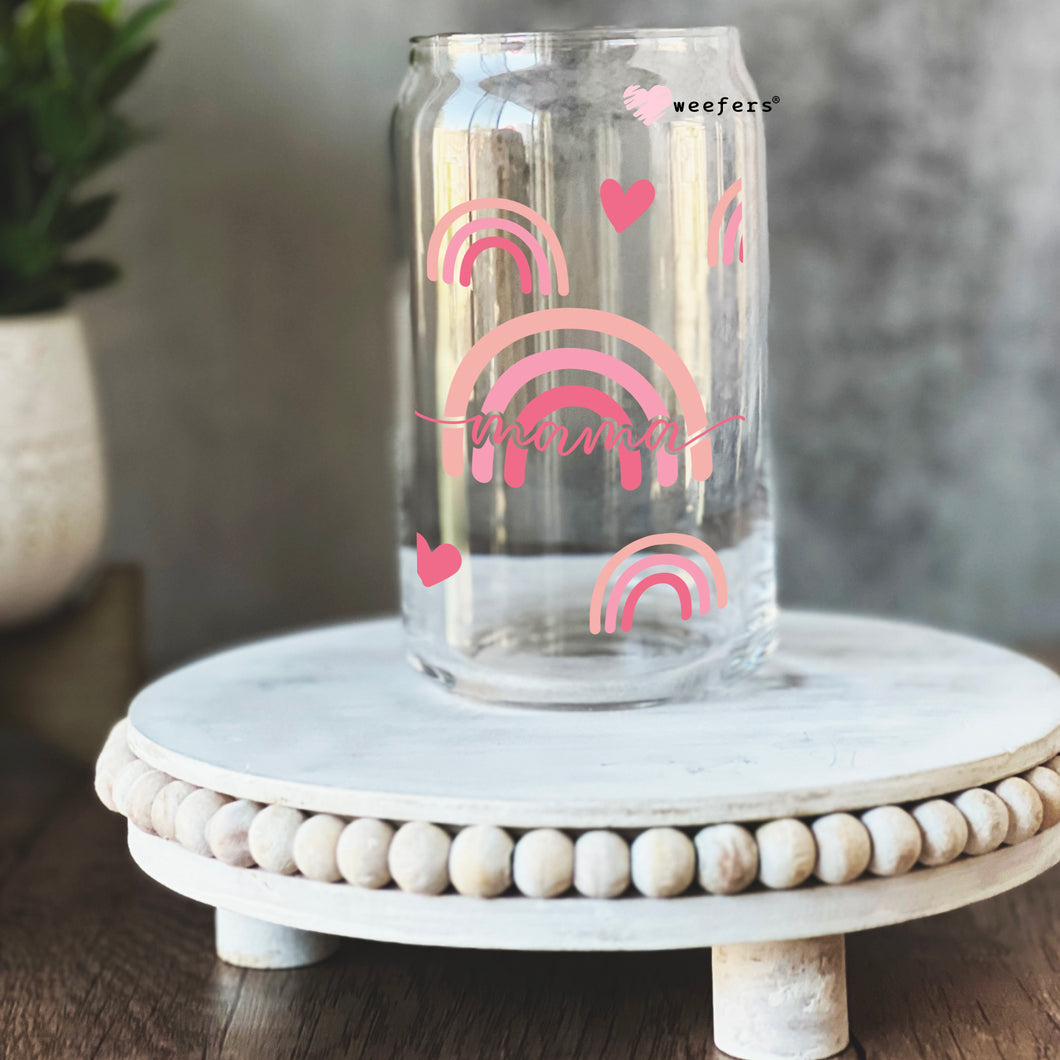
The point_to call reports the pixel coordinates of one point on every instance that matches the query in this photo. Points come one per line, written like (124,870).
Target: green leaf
(115,138)
(142,20)
(64,64)
(90,274)
(50,291)
(64,127)
(24,252)
(77,220)
(29,39)
(87,36)
(125,72)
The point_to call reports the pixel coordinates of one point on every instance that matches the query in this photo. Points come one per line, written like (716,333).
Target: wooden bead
(117,736)
(314,847)
(362,852)
(189,825)
(419,858)
(480,861)
(165,806)
(141,797)
(123,781)
(987,818)
(844,848)
(543,865)
(787,853)
(1024,808)
(270,838)
(662,862)
(226,832)
(601,864)
(726,858)
(114,756)
(896,842)
(943,831)
(1047,784)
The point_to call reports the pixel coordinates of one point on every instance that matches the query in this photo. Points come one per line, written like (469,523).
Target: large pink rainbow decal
(716,220)
(565,358)
(596,602)
(477,359)
(434,245)
(565,397)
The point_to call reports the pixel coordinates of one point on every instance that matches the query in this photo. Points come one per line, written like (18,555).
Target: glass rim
(605,34)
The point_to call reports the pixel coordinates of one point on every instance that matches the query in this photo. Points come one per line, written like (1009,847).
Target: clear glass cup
(585,514)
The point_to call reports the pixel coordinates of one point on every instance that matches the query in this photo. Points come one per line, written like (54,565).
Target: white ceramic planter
(52,483)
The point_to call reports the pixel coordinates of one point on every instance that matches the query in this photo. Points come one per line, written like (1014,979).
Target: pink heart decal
(624,207)
(435,565)
(649,103)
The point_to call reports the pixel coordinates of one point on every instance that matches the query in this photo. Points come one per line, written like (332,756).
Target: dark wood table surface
(96,960)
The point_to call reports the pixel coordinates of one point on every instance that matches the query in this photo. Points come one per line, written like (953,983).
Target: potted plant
(64,68)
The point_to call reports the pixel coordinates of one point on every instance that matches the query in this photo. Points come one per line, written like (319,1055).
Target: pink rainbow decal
(503,224)
(658,559)
(438,234)
(526,281)
(663,578)
(501,337)
(565,397)
(731,231)
(716,218)
(685,540)
(567,357)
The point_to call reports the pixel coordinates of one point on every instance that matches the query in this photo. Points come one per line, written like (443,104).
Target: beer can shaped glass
(584,511)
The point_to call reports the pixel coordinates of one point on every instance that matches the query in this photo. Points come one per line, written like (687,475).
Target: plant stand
(872,772)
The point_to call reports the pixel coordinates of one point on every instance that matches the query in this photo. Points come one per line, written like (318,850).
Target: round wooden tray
(851,715)
(851,712)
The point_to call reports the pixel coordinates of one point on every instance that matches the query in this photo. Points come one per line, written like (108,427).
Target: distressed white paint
(250,943)
(781,1000)
(579,923)
(850,713)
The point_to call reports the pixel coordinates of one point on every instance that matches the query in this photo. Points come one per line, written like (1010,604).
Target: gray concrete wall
(914,170)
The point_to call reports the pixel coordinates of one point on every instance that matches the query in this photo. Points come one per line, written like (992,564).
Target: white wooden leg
(251,943)
(781,1000)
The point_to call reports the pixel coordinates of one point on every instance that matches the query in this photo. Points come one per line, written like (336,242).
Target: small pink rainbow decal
(478,358)
(662,578)
(502,224)
(657,559)
(717,218)
(526,280)
(732,229)
(567,358)
(597,618)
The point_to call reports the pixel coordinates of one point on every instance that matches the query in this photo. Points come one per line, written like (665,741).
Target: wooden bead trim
(485,861)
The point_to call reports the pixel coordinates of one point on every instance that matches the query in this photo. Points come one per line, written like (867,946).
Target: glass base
(516,629)
(649,666)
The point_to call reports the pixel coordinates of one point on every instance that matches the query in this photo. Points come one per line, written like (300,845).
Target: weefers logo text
(710,106)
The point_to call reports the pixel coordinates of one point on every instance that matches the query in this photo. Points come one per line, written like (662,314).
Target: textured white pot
(52,485)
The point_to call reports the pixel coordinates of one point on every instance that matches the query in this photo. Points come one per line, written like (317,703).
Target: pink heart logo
(435,565)
(649,103)
(624,207)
